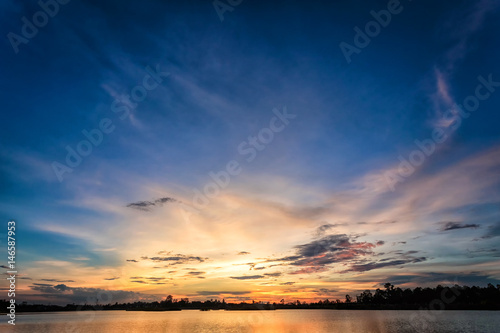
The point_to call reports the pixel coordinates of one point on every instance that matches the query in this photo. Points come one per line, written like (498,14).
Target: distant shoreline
(234,310)
(352,308)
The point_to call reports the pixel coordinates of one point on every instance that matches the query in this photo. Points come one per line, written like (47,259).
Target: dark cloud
(50,288)
(3,266)
(242,253)
(332,247)
(273,274)
(150,280)
(318,256)
(111,279)
(325,251)
(132,260)
(62,287)
(404,254)
(55,280)
(63,294)
(382,263)
(148,205)
(287,283)
(195,273)
(447,226)
(377,223)
(248,277)
(176,259)
(45,288)
(164,200)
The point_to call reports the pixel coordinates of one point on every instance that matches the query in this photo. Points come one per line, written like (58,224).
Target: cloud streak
(447,226)
(248,277)
(149,205)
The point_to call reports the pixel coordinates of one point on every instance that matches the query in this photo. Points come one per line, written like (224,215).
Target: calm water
(280,321)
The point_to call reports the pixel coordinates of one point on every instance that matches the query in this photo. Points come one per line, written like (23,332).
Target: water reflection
(279,321)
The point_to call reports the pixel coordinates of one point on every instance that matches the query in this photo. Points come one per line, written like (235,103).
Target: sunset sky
(335,172)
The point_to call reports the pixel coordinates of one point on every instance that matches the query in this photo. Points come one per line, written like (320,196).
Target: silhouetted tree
(366,297)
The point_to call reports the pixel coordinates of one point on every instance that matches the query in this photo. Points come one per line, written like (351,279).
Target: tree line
(390,297)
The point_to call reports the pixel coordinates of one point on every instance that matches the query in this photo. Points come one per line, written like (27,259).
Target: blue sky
(327,177)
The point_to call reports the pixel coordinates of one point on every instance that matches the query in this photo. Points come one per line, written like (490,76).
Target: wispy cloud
(322,229)
(171,259)
(471,20)
(148,205)
(447,226)
(221,293)
(248,277)
(462,25)
(381,264)
(493,231)
(55,280)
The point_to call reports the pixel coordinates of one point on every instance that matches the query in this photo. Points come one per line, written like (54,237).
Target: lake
(279,321)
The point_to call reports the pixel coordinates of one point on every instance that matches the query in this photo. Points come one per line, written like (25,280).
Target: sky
(249,151)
